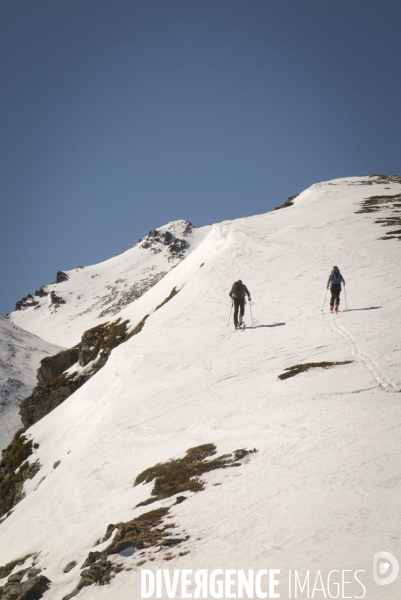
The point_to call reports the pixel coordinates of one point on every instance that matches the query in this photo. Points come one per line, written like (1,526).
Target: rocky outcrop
(176,246)
(61,276)
(26,302)
(287,203)
(14,470)
(55,301)
(20,588)
(52,366)
(41,292)
(69,566)
(29,301)
(53,386)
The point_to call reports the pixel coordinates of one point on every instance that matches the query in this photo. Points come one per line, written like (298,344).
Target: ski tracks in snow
(377,372)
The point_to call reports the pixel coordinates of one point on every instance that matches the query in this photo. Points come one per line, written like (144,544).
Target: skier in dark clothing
(237,294)
(334,281)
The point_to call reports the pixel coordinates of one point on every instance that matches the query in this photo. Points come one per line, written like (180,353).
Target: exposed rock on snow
(296,369)
(27,302)
(70,566)
(17,588)
(15,469)
(175,246)
(41,292)
(61,276)
(287,203)
(55,301)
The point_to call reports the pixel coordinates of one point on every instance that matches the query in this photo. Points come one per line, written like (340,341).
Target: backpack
(238,291)
(335,277)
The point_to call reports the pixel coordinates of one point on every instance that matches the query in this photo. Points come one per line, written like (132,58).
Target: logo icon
(385,568)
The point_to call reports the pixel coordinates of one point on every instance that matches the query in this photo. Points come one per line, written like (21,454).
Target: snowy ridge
(322,492)
(20,355)
(87,296)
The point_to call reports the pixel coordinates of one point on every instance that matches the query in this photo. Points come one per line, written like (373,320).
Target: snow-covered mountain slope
(87,296)
(321,492)
(20,355)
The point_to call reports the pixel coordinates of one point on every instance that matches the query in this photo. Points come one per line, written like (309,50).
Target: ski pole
(230,313)
(324,299)
(250,310)
(345,293)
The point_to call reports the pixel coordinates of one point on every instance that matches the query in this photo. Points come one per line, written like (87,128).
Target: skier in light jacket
(334,281)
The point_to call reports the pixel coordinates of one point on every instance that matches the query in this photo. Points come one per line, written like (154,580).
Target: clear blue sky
(120,115)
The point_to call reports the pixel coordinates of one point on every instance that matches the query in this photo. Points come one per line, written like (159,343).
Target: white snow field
(20,355)
(90,295)
(322,492)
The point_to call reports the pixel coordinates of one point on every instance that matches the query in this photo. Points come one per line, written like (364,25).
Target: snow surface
(323,490)
(94,294)
(20,355)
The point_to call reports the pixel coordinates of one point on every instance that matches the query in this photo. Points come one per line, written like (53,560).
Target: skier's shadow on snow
(273,325)
(367,308)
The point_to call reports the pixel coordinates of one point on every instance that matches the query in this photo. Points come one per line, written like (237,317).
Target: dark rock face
(61,276)
(41,292)
(175,246)
(43,401)
(53,386)
(27,302)
(69,566)
(52,366)
(99,573)
(188,228)
(55,300)
(32,589)
(14,470)
(167,238)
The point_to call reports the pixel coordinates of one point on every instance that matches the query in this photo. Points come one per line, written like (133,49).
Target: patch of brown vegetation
(377,203)
(137,329)
(182,475)
(173,293)
(296,369)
